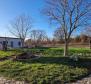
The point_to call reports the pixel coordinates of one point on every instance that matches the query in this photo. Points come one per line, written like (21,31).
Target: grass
(4,54)
(51,68)
(59,51)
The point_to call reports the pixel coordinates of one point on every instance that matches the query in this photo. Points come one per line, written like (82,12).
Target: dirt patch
(24,56)
(21,56)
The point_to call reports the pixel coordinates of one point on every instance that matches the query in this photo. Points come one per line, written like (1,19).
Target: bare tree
(20,27)
(38,36)
(68,15)
(59,34)
(77,39)
(87,32)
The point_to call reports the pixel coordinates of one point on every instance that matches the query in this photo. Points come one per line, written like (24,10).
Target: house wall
(9,40)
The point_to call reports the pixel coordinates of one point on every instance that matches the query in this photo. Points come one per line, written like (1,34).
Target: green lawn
(50,68)
(4,54)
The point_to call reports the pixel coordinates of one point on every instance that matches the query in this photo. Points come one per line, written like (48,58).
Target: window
(4,42)
(19,43)
(11,43)
(0,42)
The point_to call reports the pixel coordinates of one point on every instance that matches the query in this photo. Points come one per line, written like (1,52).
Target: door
(12,44)
(5,45)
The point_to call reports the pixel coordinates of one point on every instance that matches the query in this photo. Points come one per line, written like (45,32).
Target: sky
(9,9)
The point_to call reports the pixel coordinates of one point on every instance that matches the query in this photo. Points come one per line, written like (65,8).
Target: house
(10,42)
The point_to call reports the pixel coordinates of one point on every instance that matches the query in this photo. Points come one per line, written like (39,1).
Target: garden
(50,68)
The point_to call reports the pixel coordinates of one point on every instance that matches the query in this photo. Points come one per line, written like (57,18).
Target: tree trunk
(90,43)
(22,42)
(66,48)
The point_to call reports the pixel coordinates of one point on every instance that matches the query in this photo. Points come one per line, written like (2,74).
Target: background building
(10,42)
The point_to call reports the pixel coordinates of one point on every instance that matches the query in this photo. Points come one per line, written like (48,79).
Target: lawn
(4,54)
(50,68)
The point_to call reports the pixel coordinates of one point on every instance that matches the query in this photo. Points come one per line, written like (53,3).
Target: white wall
(14,40)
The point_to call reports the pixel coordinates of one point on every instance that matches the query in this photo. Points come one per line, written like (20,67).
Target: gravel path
(86,80)
(5,81)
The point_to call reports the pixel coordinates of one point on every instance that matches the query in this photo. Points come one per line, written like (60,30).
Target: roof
(10,37)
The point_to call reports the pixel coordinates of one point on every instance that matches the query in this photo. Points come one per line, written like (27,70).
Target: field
(71,45)
(51,68)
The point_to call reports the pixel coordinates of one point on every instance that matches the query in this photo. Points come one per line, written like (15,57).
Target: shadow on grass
(82,62)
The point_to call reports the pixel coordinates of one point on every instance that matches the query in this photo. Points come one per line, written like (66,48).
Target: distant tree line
(39,38)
